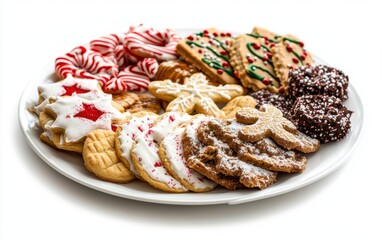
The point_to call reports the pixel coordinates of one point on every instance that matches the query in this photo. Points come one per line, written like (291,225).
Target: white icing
(147,148)
(196,91)
(129,131)
(174,153)
(76,128)
(47,130)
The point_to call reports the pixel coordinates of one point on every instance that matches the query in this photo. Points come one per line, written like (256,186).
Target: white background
(36,202)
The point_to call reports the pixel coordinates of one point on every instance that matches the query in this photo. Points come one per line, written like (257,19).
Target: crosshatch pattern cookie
(269,122)
(208,51)
(194,95)
(101,159)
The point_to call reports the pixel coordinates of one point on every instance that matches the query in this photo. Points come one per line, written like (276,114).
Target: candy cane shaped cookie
(83,62)
(149,42)
(134,77)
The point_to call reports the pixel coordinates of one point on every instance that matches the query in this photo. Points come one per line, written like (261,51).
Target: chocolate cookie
(281,101)
(322,117)
(318,80)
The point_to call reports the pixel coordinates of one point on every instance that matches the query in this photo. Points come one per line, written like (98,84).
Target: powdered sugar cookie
(172,156)
(145,153)
(101,159)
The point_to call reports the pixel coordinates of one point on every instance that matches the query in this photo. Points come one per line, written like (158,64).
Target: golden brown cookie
(194,95)
(101,159)
(175,70)
(235,104)
(134,103)
(289,53)
(269,122)
(208,51)
(267,35)
(251,57)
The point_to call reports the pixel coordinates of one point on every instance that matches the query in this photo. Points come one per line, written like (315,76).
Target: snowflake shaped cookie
(195,95)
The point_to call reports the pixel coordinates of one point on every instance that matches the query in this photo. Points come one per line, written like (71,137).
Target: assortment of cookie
(192,114)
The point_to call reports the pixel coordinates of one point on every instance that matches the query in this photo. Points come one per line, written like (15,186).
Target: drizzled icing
(79,116)
(147,147)
(149,42)
(196,94)
(213,48)
(174,154)
(129,131)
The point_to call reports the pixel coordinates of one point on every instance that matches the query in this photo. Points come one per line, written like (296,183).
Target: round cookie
(322,117)
(172,156)
(318,80)
(144,152)
(126,134)
(101,159)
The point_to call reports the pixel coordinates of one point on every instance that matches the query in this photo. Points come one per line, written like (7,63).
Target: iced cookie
(145,152)
(195,95)
(127,132)
(251,57)
(208,51)
(101,159)
(288,54)
(269,122)
(172,157)
(75,117)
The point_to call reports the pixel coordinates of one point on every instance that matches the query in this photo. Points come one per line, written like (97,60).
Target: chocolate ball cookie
(322,117)
(280,101)
(318,80)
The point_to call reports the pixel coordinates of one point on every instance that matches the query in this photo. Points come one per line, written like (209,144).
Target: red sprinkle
(224,52)
(265,58)
(295,60)
(236,75)
(215,34)
(301,44)
(200,51)
(205,31)
(289,48)
(272,45)
(266,81)
(220,71)
(303,57)
(256,46)
(229,34)
(281,89)
(172,118)
(269,54)
(157,164)
(190,37)
(225,64)
(250,60)
(222,34)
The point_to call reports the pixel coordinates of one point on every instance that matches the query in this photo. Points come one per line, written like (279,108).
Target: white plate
(320,164)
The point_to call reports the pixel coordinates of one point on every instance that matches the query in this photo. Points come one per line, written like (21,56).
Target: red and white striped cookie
(149,42)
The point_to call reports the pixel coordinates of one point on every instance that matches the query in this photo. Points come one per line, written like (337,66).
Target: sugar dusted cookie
(252,59)
(269,122)
(208,51)
(194,95)
(288,54)
(101,159)
(172,157)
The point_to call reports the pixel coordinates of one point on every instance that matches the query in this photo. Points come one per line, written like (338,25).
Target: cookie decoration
(208,52)
(194,94)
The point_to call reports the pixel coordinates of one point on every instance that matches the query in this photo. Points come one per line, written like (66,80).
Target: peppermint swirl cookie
(322,117)
(318,80)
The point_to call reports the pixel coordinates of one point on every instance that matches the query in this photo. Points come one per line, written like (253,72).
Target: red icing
(220,71)
(266,81)
(295,60)
(256,46)
(224,52)
(69,90)
(190,37)
(301,44)
(89,111)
